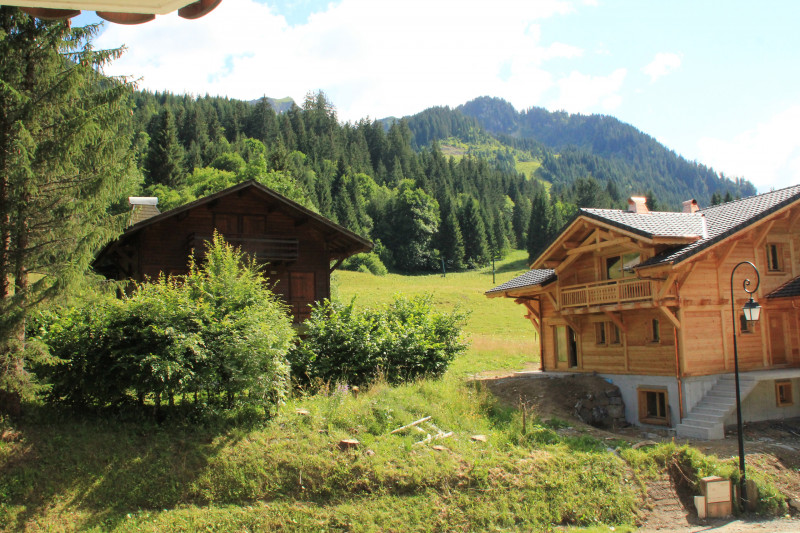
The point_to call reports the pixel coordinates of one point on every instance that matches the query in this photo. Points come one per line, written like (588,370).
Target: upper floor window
(774,257)
(618,266)
(655,332)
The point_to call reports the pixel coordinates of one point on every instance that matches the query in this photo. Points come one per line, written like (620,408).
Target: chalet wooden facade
(299,248)
(644,299)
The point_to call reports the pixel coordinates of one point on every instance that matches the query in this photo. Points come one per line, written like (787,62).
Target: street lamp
(752,311)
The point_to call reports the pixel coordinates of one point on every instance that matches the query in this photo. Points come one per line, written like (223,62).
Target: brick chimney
(637,204)
(142,208)
(690,206)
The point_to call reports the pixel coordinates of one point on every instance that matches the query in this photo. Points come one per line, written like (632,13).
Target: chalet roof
(653,223)
(726,219)
(790,289)
(341,241)
(531,278)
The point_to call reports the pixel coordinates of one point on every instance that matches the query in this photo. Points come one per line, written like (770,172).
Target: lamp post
(752,311)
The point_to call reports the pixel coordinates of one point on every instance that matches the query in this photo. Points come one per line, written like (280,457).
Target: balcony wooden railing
(606,292)
(263,249)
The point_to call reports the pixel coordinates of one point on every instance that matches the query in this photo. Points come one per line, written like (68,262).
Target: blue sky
(718,82)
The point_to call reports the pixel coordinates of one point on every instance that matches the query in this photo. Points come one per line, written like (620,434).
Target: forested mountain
(446,187)
(589,142)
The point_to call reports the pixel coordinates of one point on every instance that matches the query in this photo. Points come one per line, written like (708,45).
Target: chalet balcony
(608,292)
(264,250)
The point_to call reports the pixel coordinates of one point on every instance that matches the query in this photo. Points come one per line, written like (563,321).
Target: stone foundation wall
(603,410)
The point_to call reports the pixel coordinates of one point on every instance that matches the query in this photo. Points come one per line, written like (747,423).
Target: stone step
(706,417)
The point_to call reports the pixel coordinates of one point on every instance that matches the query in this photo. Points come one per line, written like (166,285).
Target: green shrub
(401,341)
(217,334)
(369,262)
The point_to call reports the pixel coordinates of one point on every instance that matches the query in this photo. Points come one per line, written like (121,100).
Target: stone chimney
(142,208)
(690,206)
(637,204)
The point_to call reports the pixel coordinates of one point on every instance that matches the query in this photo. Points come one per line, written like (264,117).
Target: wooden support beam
(666,285)
(724,254)
(552,300)
(616,320)
(763,234)
(671,317)
(336,265)
(598,246)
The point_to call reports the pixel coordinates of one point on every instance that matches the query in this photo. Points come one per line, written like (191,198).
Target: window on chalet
(655,331)
(618,266)
(606,333)
(783,393)
(653,406)
(600,333)
(774,257)
(616,335)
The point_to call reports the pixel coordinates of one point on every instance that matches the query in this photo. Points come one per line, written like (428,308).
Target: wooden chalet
(644,299)
(299,248)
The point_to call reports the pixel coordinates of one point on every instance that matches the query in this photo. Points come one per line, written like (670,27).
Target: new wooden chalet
(299,248)
(644,299)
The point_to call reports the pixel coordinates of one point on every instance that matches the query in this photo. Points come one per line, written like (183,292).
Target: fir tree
(164,162)
(539,225)
(473,229)
(65,158)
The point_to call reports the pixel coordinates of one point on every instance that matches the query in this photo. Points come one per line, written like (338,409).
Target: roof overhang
(117,11)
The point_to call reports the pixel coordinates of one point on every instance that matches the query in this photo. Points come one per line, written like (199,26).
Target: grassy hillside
(501,339)
(473,466)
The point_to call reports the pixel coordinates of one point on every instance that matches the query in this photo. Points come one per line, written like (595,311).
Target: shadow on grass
(104,467)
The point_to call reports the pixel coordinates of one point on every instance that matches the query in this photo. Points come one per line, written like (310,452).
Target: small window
(783,393)
(600,333)
(653,406)
(774,257)
(616,336)
(656,331)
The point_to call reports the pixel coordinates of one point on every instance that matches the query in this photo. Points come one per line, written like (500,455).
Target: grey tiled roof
(653,224)
(530,278)
(788,290)
(726,219)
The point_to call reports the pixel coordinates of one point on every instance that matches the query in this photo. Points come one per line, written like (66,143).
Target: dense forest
(391,181)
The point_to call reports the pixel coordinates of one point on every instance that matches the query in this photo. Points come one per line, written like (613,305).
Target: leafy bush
(217,334)
(400,341)
(368,263)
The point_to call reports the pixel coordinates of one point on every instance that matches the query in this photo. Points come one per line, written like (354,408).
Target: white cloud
(580,93)
(768,155)
(663,64)
(377,58)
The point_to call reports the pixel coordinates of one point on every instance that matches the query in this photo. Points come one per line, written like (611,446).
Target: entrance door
(566,347)
(777,339)
(302,293)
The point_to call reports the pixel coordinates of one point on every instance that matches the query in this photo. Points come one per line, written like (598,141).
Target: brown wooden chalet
(299,248)
(644,299)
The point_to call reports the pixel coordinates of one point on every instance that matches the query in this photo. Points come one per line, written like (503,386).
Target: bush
(367,263)
(217,334)
(401,341)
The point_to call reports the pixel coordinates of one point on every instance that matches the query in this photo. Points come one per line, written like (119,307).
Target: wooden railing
(606,292)
(264,249)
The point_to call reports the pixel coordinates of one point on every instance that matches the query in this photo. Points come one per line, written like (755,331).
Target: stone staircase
(706,420)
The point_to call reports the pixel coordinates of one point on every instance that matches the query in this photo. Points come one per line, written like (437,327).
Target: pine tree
(65,158)
(473,229)
(164,162)
(539,226)
(451,242)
